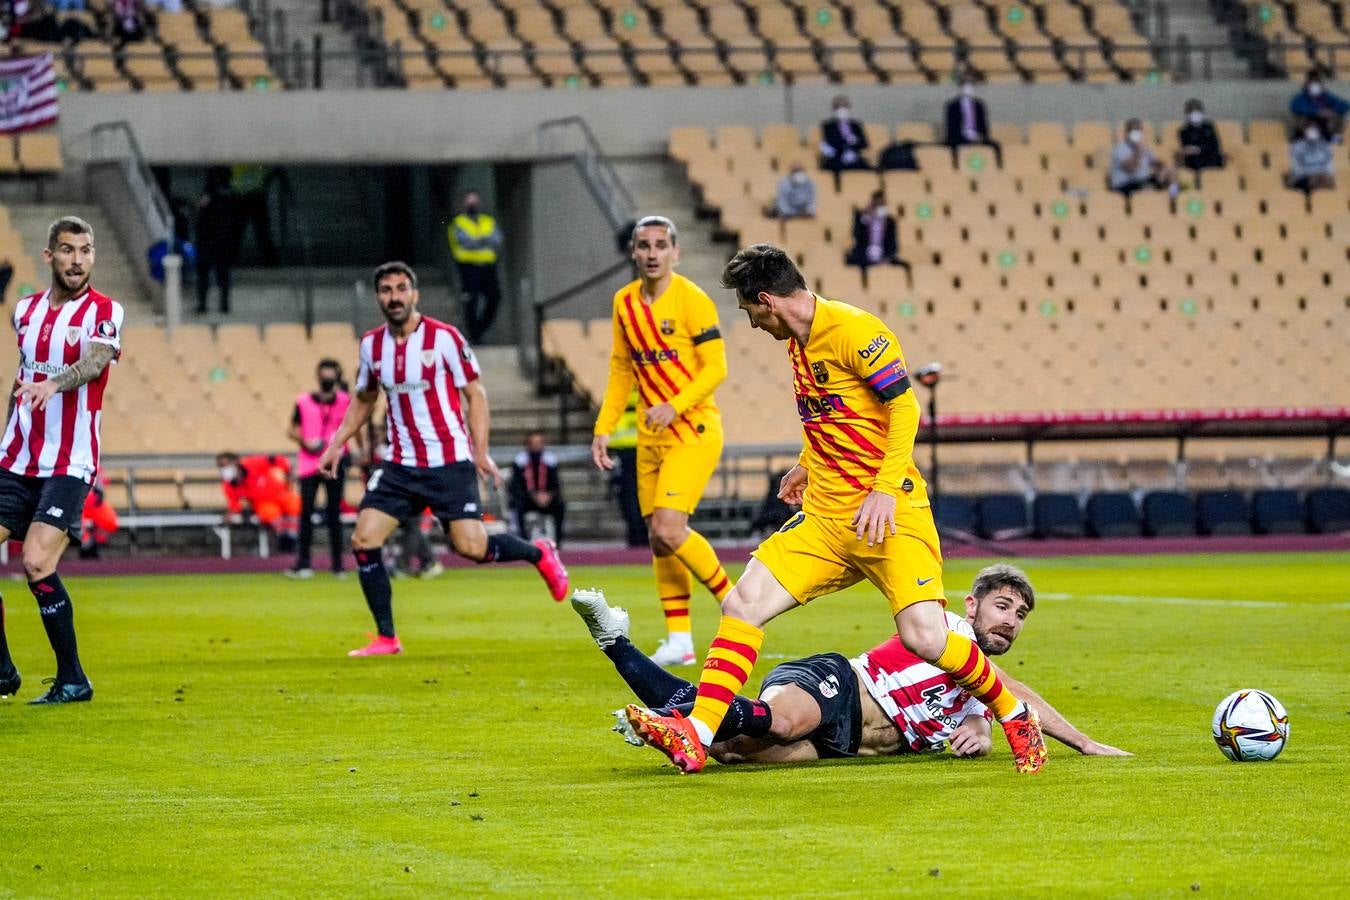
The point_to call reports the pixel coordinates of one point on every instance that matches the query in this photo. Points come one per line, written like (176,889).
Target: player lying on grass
(883,702)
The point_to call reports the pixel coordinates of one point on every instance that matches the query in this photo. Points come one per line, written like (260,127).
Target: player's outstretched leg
(10,681)
(970,668)
(58,618)
(500,548)
(379,595)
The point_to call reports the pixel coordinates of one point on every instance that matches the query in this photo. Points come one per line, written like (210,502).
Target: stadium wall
(390,126)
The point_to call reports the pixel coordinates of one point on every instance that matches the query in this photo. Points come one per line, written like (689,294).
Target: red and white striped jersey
(923,701)
(422,378)
(62,439)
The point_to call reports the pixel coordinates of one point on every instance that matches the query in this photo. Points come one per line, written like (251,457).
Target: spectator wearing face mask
(315,420)
(1199,141)
(874,237)
(1320,106)
(1311,161)
(1134,166)
(796,196)
(968,122)
(843,139)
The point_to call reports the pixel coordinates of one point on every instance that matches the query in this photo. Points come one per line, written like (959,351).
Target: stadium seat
(1002,516)
(1277,512)
(1329,510)
(1223,512)
(955,512)
(1168,514)
(1113,514)
(1057,516)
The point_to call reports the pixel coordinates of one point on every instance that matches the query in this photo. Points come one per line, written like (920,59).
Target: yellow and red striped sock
(673,586)
(970,668)
(700,558)
(726,669)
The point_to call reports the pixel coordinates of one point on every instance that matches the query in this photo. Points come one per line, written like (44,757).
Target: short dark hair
(227,454)
(654,222)
(394,267)
(1193,104)
(67,225)
(329,363)
(762,268)
(1003,575)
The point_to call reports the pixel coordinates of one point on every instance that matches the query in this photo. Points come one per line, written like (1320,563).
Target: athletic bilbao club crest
(819,373)
(72,336)
(428,357)
(667,327)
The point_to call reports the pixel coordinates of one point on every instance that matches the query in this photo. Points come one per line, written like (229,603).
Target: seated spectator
(968,122)
(874,237)
(1318,105)
(38,21)
(1311,159)
(536,488)
(843,139)
(98,521)
(127,22)
(1135,167)
(1199,141)
(264,483)
(796,197)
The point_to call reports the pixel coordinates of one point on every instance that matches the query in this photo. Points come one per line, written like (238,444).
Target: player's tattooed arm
(1055,725)
(87,367)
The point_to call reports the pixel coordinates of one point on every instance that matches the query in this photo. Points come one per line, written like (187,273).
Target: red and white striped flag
(27,93)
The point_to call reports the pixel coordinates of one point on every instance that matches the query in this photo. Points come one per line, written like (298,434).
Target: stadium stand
(1057,516)
(1113,514)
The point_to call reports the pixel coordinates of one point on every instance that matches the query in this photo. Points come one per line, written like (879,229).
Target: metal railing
(572,137)
(116,142)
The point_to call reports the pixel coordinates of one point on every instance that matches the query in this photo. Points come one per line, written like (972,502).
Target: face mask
(1312,134)
(842,114)
(471,208)
(1196,117)
(1315,89)
(968,90)
(327,384)
(1135,136)
(227,473)
(799,177)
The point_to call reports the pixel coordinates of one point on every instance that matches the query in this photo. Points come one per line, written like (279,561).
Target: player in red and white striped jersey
(883,702)
(438,448)
(68,336)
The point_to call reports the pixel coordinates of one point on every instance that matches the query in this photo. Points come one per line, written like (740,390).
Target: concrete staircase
(1195,20)
(113,272)
(660,187)
(302,21)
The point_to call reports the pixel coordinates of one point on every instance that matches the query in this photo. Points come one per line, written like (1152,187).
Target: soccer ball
(1250,725)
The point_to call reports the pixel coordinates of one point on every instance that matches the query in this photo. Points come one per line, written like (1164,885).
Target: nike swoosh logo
(923,581)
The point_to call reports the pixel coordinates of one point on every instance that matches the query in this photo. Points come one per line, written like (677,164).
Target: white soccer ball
(1250,725)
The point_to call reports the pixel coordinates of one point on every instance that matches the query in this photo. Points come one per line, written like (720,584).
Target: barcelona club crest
(819,372)
(667,327)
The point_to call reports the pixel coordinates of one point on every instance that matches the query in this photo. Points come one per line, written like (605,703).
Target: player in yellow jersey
(667,342)
(864,512)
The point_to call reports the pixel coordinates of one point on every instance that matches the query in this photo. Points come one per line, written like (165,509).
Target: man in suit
(968,122)
(843,139)
(874,237)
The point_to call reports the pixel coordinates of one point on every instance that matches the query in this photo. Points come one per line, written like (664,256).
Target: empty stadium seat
(1277,512)
(1002,516)
(1223,513)
(1113,514)
(1329,510)
(1057,516)
(955,512)
(1168,514)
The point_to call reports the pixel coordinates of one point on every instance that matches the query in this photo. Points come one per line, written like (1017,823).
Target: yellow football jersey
(673,349)
(845,377)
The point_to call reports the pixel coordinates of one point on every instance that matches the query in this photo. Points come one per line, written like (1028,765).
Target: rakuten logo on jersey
(878,344)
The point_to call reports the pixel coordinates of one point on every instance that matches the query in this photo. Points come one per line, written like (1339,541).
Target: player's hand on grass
(36,393)
(488,469)
(875,517)
(793,485)
(660,416)
(1092,748)
(967,742)
(600,453)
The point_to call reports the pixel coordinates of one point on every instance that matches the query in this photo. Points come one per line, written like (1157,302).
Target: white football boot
(606,623)
(676,650)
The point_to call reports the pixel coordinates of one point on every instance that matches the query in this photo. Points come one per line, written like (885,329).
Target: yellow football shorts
(674,476)
(813,556)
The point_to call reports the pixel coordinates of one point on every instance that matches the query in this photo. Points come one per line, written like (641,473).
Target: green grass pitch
(233,750)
